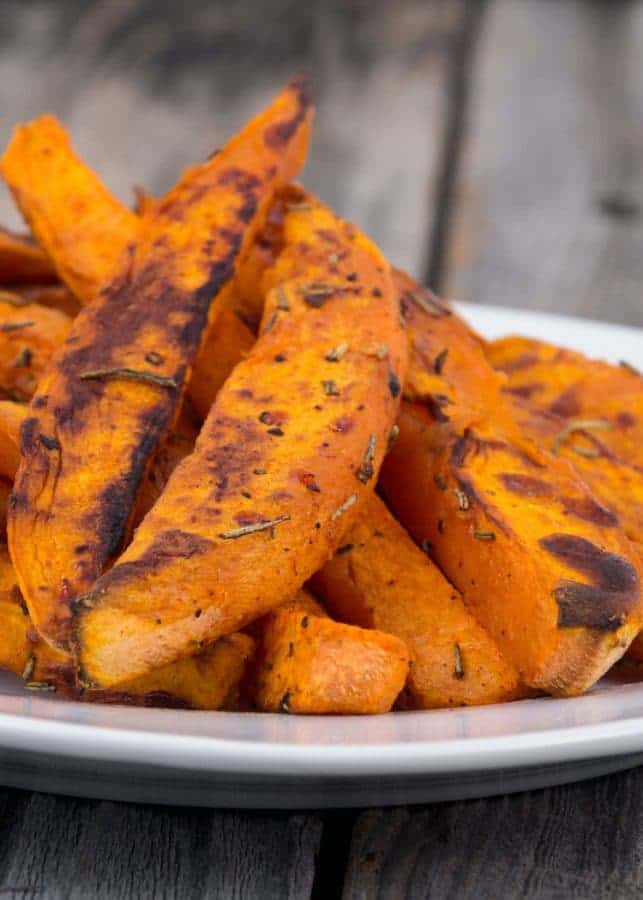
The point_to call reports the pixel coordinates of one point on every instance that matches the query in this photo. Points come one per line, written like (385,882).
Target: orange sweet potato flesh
(88,442)
(81,226)
(12,416)
(291,446)
(539,561)
(29,334)
(308,663)
(567,384)
(209,680)
(22,261)
(55,296)
(379,578)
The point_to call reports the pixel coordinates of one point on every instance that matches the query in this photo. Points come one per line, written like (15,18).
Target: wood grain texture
(550,197)
(148,87)
(583,840)
(59,848)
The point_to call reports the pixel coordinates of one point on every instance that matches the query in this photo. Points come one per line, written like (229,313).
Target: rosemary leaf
(252,529)
(578,425)
(15,326)
(344,507)
(463,500)
(337,352)
(440,360)
(367,469)
(129,375)
(484,535)
(458,666)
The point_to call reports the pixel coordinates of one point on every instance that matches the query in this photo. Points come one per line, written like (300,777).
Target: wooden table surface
(495,150)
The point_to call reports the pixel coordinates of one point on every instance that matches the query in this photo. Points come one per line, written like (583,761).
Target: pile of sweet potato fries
(246,464)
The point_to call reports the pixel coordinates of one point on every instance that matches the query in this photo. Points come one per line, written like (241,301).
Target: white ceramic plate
(254,760)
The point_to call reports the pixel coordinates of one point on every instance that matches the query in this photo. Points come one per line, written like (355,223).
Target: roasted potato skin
(308,663)
(88,441)
(541,563)
(380,579)
(22,261)
(295,437)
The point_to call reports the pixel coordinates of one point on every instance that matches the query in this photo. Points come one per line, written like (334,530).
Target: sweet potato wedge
(80,225)
(29,334)
(113,391)
(291,445)
(12,416)
(22,261)
(380,579)
(308,663)
(209,680)
(578,389)
(540,562)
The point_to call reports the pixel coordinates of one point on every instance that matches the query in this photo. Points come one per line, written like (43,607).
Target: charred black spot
(394,385)
(435,404)
(40,402)
(241,180)
(526,391)
(525,485)
(568,404)
(279,133)
(460,449)
(49,442)
(589,510)
(28,433)
(612,591)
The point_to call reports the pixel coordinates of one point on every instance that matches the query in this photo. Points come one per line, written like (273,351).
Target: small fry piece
(539,561)
(380,579)
(29,334)
(308,663)
(111,394)
(275,476)
(22,261)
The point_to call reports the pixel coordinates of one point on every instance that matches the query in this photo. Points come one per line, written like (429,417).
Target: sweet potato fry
(209,680)
(81,226)
(607,398)
(308,663)
(539,561)
(291,445)
(380,579)
(29,334)
(112,392)
(22,261)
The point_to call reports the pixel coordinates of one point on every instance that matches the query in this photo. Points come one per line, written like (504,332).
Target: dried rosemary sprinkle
(367,469)
(284,705)
(282,299)
(587,452)
(394,433)
(270,323)
(458,667)
(298,207)
(484,535)
(28,669)
(15,326)
(333,259)
(378,350)
(252,529)
(463,500)
(425,546)
(624,364)
(578,425)
(440,360)
(153,358)
(440,481)
(346,505)
(39,686)
(129,375)
(337,353)
(429,304)
(330,388)
(13,299)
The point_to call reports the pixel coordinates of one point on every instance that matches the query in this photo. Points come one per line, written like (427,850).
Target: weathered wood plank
(62,849)
(147,88)
(550,199)
(583,840)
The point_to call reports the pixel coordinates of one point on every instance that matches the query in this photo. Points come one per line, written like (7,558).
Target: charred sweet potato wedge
(308,663)
(29,335)
(540,562)
(290,447)
(112,393)
(606,399)
(22,261)
(209,680)
(379,578)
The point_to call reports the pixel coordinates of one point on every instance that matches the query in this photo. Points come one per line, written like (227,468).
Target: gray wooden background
(494,149)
